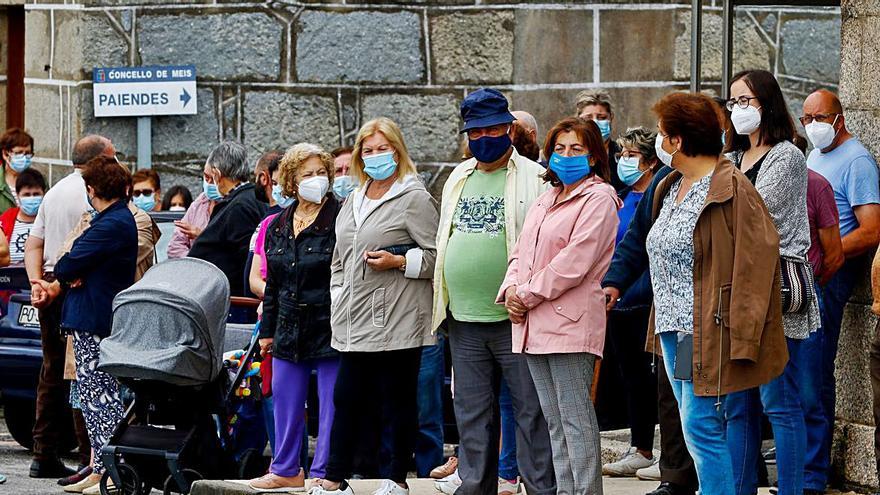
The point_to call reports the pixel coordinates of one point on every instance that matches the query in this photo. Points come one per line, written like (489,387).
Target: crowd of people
(711,245)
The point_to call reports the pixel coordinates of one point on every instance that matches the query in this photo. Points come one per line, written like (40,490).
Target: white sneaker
(449,484)
(508,487)
(389,487)
(650,473)
(627,465)
(319,490)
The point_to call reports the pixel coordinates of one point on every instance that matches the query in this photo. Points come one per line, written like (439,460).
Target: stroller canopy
(170,325)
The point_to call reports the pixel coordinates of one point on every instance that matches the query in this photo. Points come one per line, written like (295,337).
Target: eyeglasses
(494,131)
(627,154)
(742,102)
(809,119)
(142,192)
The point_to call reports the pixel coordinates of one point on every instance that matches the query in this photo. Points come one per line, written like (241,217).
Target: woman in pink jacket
(555,302)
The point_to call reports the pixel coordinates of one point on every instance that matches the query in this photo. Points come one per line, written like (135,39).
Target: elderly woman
(196,218)
(715,274)
(553,295)
(226,239)
(296,311)
(100,264)
(628,318)
(381,290)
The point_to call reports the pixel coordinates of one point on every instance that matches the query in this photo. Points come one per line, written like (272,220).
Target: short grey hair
(526,119)
(593,97)
(641,139)
(230,159)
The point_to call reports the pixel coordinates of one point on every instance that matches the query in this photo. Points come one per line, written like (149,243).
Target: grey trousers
(563,382)
(481,354)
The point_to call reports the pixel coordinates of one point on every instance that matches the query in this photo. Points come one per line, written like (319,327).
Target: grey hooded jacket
(384,310)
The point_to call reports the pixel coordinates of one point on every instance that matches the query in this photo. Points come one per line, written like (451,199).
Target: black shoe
(52,468)
(83,473)
(775,491)
(667,488)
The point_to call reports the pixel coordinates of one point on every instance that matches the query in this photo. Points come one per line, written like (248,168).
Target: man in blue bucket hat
(485,201)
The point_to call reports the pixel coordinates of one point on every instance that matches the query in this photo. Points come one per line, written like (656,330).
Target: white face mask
(662,154)
(821,134)
(745,120)
(313,189)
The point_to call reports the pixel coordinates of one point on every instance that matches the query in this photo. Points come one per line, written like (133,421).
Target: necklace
(300,222)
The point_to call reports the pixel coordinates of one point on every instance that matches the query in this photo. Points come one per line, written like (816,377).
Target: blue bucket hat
(485,107)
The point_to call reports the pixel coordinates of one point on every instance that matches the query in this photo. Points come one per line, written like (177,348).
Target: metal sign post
(143,92)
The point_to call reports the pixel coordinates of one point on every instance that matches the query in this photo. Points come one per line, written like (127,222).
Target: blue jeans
(507,467)
(780,401)
(808,354)
(833,297)
(429,440)
(703,427)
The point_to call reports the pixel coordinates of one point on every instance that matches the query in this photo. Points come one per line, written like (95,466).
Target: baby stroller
(166,347)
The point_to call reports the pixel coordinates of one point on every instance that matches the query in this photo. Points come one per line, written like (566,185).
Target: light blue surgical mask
(628,170)
(211,191)
(570,169)
(30,205)
(604,128)
(144,202)
(279,197)
(344,185)
(20,162)
(380,166)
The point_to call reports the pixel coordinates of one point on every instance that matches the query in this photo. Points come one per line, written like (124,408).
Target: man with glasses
(842,160)
(484,204)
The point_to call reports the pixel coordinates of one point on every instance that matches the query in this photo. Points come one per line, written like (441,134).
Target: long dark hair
(589,133)
(776,122)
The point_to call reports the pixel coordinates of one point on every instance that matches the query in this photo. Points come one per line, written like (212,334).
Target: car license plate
(28,316)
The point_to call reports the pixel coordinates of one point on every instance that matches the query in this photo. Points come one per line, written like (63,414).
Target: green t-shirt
(476,255)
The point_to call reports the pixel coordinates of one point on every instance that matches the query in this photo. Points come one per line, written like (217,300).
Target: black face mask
(260,191)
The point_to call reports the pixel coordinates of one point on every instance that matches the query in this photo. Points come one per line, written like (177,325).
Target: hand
(266,346)
(43,293)
(188,229)
(383,260)
(514,305)
(612,295)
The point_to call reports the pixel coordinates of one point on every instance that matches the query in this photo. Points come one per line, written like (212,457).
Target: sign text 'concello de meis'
(144,91)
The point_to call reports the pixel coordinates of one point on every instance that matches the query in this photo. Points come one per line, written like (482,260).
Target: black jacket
(296,302)
(629,266)
(226,239)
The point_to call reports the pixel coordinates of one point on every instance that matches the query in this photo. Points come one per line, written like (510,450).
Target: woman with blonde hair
(295,328)
(382,296)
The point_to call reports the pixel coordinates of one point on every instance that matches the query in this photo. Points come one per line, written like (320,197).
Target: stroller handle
(244,302)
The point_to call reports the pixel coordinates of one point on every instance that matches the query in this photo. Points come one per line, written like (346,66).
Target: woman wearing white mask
(295,328)
(761,147)
(382,303)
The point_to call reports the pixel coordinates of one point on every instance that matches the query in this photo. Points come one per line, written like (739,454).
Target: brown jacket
(738,338)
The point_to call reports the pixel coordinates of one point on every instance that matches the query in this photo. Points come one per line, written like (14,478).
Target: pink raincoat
(557,266)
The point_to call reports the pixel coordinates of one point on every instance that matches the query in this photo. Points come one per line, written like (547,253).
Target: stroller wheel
(190,475)
(130,482)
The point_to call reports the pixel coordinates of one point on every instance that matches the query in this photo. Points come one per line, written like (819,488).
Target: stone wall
(860,93)
(272,73)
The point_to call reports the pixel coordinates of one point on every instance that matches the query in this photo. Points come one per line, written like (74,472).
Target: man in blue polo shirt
(850,168)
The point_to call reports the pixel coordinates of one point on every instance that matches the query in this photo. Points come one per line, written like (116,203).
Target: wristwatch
(403,266)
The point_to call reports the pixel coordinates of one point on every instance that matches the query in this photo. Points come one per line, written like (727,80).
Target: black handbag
(798,286)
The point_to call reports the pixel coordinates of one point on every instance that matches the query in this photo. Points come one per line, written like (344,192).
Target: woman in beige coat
(381,303)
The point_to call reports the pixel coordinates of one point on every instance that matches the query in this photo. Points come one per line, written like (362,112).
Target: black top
(752,173)
(296,303)
(226,240)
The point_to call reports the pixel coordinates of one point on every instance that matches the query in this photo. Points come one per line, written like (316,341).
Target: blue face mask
(570,169)
(628,170)
(20,162)
(381,166)
(489,149)
(92,211)
(211,191)
(144,202)
(604,128)
(30,205)
(723,138)
(344,185)
(279,197)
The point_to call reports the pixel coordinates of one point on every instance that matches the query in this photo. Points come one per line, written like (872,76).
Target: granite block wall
(272,73)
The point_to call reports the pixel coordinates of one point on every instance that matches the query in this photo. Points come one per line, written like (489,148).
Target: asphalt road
(14,463)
